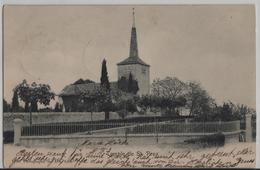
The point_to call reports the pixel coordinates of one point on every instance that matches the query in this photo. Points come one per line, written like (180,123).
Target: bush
(217,139)
(8,137)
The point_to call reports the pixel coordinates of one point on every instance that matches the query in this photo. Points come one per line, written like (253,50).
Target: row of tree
(168,96)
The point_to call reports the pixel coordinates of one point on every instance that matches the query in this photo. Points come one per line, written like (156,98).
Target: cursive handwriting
(104,155)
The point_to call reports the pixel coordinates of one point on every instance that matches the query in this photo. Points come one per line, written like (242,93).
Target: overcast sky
(57,45)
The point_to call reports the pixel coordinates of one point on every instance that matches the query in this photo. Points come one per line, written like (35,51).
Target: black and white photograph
(129,86)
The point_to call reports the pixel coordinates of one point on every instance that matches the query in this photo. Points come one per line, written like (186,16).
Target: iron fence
(131,128)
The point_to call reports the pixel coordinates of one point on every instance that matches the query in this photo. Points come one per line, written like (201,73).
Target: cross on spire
(133,17)
(133,43)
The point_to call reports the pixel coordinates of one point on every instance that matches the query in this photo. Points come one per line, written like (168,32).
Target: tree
(168,94)
(81,81)
(126,105)
(129,85)
(170,87)
(104,76)
(105,85)
(58,107)
(198,100)
(26,107)
(6,106)
(123,84)
(15,102)
(34,94)
(132,85)
(145,102)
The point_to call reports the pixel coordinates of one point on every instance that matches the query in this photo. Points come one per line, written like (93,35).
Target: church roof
(132,60)
(78,89)
(133,53)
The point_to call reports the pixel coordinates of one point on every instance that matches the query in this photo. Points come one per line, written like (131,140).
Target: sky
(57,45)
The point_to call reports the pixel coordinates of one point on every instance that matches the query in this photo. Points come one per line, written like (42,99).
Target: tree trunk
(106,115)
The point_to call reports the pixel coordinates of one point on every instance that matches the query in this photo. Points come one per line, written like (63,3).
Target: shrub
(217,139)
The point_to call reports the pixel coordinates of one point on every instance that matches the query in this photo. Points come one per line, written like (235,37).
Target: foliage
(81,81)
(123,84)
(46,109)
(26,107)
(6,106)
(168,95)
(170,88)
(105,91)
(126,105)
(217,139)
(34,94)
(99,98)
(145,102)
(58,107)
(129,85)
(104,76)
(132,85)
(198,100)
(226,112)
(15,102)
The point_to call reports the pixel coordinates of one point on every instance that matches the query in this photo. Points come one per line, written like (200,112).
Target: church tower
(134,65)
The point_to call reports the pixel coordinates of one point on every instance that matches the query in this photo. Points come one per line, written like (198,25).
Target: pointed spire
(133,43)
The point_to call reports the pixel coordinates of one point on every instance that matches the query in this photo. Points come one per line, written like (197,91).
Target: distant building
(133,64)
(71,93)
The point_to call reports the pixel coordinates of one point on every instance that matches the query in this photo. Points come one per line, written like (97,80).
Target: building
(133,64)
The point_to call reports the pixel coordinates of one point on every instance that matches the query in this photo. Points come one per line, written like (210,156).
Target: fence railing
(190,127)
(131,128)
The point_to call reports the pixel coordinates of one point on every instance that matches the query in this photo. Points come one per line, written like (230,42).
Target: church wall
(140,73)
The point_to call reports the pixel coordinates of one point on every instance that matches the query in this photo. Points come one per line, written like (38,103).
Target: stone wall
(76,140)
(49,117)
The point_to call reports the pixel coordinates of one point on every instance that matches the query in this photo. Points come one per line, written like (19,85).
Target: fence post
(186,125)
(219,126)
(156,127)
(248,124)
(17,131)
(126,131)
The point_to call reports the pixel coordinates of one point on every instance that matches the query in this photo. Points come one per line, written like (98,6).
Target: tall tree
(105,85)
(199,101)
(123,84)
(15,102)
(104,76)
(132,85)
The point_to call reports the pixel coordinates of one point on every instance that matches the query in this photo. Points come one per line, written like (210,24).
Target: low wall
(51,117)
(144,139)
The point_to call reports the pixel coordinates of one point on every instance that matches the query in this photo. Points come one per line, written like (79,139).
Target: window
(143,70)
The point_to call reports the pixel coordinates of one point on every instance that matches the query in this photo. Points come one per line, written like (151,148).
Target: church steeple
(133,57)
(133,43)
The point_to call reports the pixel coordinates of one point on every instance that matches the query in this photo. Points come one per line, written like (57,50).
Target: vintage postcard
(129,86)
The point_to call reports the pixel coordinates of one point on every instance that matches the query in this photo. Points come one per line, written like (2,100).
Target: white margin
(143,2)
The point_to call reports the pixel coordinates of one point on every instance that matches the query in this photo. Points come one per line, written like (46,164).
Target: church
(132,64)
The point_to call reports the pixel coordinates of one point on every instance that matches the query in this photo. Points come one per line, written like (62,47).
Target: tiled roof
(132,60)
(77,89)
